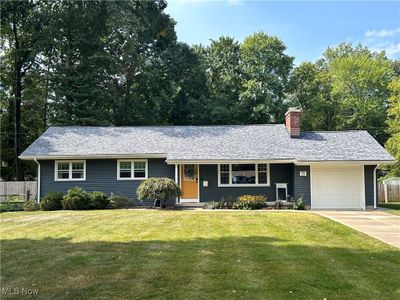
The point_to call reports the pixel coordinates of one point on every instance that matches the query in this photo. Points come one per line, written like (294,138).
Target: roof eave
(224,161)
(362,162)
(94,156)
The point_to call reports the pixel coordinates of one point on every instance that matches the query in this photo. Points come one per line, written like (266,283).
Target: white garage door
(337,187)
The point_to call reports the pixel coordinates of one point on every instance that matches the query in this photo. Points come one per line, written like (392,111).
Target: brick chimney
(292,118)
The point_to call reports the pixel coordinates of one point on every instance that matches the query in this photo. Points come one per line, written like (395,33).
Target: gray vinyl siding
(279,173)
(369,185)
(302,186)
(101,175)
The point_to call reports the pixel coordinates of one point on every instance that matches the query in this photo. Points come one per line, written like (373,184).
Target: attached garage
(337,187)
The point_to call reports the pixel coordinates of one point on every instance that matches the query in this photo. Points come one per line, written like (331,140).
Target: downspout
(375,185)
(38,180)
(176,181)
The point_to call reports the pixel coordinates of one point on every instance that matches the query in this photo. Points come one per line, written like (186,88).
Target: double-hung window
(243,174)
(70,170)
(132,169)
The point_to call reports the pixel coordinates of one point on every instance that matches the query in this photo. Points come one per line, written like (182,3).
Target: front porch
(205,182)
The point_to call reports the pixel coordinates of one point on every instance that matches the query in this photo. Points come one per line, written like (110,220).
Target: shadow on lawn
(238,267)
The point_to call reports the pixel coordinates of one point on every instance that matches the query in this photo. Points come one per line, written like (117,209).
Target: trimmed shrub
(76,198)
(116,201)
(299,204)
(52,201)
(250,202)
(215,205)
(98,200)
(158,189)
(13,203)
(221,204)
(30,205)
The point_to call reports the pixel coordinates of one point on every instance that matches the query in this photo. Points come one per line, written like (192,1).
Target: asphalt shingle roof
(231,142)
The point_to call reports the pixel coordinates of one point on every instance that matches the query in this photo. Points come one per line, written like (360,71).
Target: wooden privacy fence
(25,189)
(388,192)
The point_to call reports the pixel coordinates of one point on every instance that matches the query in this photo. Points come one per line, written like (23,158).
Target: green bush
(250,202)
(52,201)
(30,205)
(221,204)
(215,204)
(116,201)
(299,204)
(76,199)
(98,200)
(158,189)
(13,203)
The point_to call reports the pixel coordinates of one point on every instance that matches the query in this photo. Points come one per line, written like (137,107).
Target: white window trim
(56,162)
(230,184)
(132,161)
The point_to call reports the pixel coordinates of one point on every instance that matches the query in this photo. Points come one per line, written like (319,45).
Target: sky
(307,28)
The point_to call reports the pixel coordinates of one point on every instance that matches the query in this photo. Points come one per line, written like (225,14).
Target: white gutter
(276,161)
(38,181)
(225,161)
(377,166)
(95,156)
(176,180)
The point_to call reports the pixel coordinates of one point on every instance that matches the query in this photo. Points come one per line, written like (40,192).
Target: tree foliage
(118,63)
(346,89)
(266,70)
(393,143)
(158,189)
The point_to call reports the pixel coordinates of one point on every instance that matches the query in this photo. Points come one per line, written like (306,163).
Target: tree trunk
(17,104)
(45,106)
(17,126)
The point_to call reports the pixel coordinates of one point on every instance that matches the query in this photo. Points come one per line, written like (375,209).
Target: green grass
(393,207)
(136,254)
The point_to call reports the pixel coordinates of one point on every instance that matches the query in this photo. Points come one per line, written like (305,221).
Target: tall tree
(140,31)
(188,80)
(393,121)
(346,89)
(360,81)
(310,88)
(266,70)
(21,34)
(220,64)
(81,67)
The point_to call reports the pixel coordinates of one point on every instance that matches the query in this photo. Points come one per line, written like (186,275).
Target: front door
(190,183)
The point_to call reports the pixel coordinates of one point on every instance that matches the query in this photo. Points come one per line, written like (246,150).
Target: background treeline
(119,63)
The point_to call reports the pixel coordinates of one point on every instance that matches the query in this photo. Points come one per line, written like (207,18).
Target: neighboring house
(329,169)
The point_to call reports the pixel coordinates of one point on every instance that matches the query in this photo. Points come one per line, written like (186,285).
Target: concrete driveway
(380,225)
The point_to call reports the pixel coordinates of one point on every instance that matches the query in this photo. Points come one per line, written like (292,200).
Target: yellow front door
(189,181)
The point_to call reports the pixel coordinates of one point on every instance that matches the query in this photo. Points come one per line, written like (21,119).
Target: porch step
(190,205)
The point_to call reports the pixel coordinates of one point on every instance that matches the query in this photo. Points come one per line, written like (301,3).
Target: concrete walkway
(380,225)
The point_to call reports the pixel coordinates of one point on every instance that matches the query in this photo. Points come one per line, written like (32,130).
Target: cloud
(387,40)
(391,50)
(382,33)
(234,2)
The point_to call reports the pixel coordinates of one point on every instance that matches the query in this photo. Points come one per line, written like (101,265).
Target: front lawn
(393,207)
(121,254)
